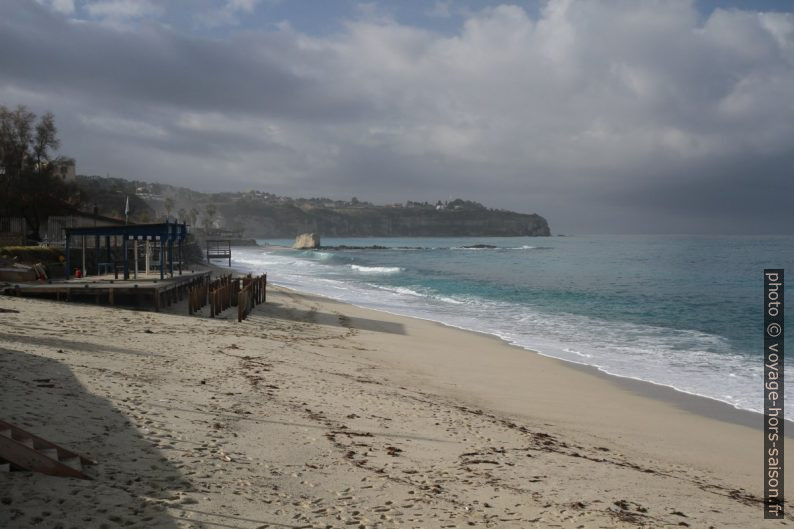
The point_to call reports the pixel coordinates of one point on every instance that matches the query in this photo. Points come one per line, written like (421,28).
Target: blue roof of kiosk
(167,231)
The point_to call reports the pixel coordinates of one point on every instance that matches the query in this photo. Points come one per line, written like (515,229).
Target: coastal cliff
(259,214)
(277,220)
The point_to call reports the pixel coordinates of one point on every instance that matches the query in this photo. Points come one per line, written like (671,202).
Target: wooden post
(162,259)
(148,251)
(82,239)
(126,259)
(171,257)
(68,257)
(135,256)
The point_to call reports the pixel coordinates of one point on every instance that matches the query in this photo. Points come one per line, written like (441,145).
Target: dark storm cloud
(618,116)
(155,66)
(746,195)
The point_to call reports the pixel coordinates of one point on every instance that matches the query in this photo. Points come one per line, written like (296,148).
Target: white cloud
(123,9)
(584,99)
(241,5)
(528,89)
(228,14)
(63,6)
(440,9)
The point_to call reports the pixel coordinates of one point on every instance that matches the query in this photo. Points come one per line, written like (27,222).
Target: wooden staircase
(23,450)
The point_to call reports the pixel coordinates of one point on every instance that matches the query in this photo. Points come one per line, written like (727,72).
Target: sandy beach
(314,413)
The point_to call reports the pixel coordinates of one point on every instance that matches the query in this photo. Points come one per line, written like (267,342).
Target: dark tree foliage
(28,185)
(466,204)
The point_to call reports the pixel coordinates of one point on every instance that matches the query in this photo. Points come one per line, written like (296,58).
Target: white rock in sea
(307,241)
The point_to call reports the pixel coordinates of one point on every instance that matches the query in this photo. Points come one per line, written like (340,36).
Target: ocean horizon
(683,311)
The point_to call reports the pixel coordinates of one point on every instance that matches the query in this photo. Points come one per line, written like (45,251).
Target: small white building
(64,169)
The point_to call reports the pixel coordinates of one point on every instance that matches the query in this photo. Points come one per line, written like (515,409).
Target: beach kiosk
(164,235)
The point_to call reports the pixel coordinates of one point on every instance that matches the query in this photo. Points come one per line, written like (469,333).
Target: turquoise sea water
(683,311)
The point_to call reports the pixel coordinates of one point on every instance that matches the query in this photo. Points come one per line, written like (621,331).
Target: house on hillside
(64,169)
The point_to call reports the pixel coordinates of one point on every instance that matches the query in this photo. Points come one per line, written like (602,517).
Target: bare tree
(210,211)
(194,215)
(169,205)
(45,139)
(27,166)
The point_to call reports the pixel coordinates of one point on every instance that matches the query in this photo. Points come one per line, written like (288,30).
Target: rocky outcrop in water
(307,241)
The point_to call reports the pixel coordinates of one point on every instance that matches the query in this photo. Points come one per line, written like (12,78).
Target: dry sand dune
(317,414)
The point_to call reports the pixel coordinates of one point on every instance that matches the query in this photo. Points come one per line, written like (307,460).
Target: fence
(16,225)
(253,293)
(244,293)
(220,294)
(198,295)
(13,231)
(216,293)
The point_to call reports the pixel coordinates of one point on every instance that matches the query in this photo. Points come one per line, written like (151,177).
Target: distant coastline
(263,215)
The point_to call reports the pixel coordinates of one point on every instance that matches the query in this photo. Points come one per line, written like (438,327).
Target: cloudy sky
(616,117)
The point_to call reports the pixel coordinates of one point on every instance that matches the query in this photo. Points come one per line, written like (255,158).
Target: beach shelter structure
(164,234)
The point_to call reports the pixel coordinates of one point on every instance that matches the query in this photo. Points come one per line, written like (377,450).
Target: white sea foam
(447,299)
(377,269)
(496,248)
(404,291)
(687,360)
(430,296)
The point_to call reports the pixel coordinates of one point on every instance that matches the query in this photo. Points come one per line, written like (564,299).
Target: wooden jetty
(155,293)
(219,249)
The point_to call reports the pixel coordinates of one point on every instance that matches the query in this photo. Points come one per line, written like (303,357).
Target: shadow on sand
(276,310)
(63,343)
(43,396)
